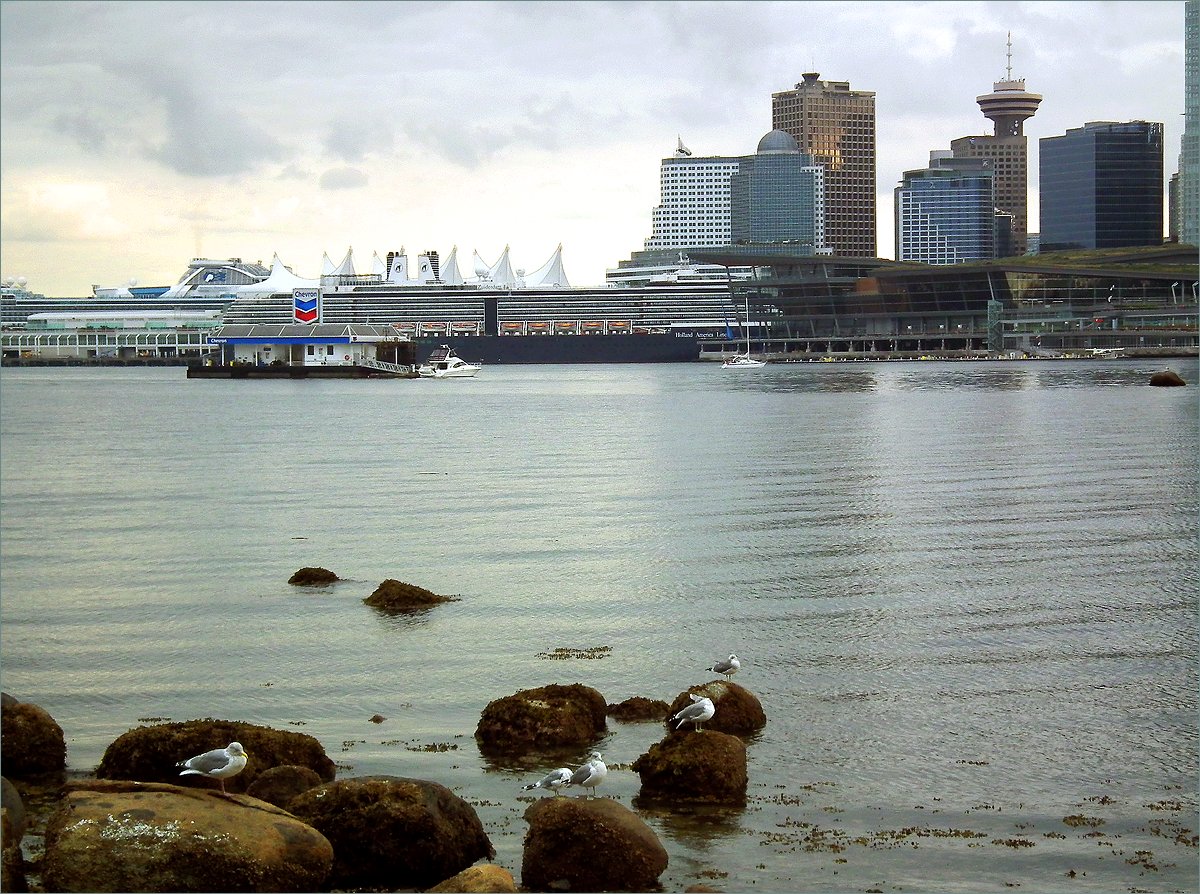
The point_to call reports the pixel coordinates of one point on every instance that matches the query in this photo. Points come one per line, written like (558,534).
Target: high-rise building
(1008,106)
(1102,186)
(778,195)
(836,126)
(946,213)
(694,202)
(1187,221)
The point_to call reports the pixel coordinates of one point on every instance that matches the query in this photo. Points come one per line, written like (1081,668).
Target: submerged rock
(313,577)
(1168,378)
(638,708)
(738,709)
(589,845)
(397,596)
(129,836)
(30,740)
(706,767)
(548,717)
(394,833)
(150,753)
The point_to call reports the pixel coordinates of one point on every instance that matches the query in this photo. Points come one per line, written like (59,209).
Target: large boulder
(13,823)
(15,820)
(396,596)
(31,742)
(390,832)
(1167,378)
(313,577)
(129,836)
(738,709)
(547,718)
(150,753)
(279,785)
(705,767)
(12,868)
(487,878)
(589,845)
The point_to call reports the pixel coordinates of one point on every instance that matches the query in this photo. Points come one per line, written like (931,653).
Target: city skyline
(136,136)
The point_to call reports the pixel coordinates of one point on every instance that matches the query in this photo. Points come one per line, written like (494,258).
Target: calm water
(965,593)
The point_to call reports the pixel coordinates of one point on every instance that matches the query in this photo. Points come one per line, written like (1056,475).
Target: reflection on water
(965,594)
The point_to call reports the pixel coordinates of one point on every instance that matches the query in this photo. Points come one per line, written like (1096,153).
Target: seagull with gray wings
(728,667)
(700,710)
(219,764)
(552,781)
(591,774)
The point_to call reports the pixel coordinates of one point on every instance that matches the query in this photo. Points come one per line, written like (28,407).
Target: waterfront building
(1134,301)
(946,213)
(1008,106)
(778,195)
(693,207)
(836,126)
(1102,186)
(1187,206)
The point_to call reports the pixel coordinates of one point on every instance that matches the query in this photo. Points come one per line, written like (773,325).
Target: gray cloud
(353,139)
(343,178)
(202,136)
(86,129)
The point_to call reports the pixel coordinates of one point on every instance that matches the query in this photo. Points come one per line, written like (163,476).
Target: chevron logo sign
(306,305)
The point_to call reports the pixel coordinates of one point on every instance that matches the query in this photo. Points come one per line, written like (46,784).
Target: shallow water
(965,593)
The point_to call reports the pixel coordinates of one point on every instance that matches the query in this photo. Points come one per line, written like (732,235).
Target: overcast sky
(136,136)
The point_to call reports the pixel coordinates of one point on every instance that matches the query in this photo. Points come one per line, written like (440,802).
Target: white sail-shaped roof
(281,280)
(346,268)
(450,273)
(502,273)
(327,267)
(549,275)
(483,269)
(377,266)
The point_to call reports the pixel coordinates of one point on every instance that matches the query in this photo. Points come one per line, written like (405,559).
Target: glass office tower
(946,213)
(778,195)
(1102,186)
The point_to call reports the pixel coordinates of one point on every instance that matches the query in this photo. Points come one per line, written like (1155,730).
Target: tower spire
(1008,71)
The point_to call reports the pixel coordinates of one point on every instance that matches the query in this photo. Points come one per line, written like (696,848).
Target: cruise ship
(499,315)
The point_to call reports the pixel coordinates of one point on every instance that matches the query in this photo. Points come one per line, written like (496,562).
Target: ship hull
(505,349)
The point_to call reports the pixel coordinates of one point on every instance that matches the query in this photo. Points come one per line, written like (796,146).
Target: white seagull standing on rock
(219,764)
(700,710)
(728,667)
(591,774)
(553,781)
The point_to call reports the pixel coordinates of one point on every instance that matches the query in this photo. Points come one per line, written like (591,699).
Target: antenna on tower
(1008,71)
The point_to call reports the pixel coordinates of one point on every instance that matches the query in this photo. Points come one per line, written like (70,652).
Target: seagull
(553,780)
(591,774)
(728,667)
(700,710)
(219,764)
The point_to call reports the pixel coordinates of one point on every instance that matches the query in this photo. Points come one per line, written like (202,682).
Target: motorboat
(443,363)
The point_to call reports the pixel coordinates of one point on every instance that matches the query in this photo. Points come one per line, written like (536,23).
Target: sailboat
(744,361)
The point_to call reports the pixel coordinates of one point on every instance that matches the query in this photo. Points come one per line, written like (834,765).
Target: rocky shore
(285,823)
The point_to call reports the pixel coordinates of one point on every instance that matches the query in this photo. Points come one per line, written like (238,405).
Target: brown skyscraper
(836,126)
(1008,105)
